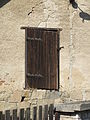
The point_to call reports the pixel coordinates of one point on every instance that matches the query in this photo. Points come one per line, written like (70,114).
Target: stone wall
(74,58)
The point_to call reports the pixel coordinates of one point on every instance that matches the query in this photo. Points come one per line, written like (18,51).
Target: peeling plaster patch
(51,5)
(49,10)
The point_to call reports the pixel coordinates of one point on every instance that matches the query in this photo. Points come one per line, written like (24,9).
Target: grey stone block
(73,106)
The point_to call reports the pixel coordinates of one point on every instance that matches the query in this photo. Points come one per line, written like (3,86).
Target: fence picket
(3,116)
(51,112)
(27,114)
(21,114)
(14,114)
(7,115)
(40,113)
(0,115)
(35,113)
(45,112)
(57,116)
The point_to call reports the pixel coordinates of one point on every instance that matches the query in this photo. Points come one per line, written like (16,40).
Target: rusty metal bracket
(60,48)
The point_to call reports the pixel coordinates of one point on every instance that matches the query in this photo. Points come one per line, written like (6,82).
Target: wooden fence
(41,113)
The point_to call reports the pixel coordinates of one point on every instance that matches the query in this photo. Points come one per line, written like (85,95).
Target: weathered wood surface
(42,58)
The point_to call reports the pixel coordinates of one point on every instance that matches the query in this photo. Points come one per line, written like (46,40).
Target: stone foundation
(74,110)
(85,115)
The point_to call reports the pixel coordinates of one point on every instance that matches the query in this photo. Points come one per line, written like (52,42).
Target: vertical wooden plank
(54,70)
(29,57)
(53,59)
(0,115)
(57,116)
(50,60)
(35,113)
(33,54)
(7,115)
(3,116)
(44,61)
(26,83)
(21,114)
(40,113)
(57,61)
(48,39)
(51,112)
(37,56)
(27,114)
(14,117)
(40,61)
(58,56)
(45,112)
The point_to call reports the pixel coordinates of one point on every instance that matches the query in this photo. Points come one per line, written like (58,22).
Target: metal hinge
(60,48)
(34,75)
(37,39)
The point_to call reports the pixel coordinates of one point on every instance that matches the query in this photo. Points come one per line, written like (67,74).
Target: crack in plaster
(33,8)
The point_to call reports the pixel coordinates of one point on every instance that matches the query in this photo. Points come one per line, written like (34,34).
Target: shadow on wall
(3,2)
(82,14)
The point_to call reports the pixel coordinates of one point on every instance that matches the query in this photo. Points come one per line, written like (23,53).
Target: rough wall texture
(74,58)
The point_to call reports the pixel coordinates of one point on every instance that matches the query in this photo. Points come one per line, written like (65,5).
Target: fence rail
(37,113)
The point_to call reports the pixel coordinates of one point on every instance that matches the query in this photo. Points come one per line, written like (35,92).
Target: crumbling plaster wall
(74,58)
